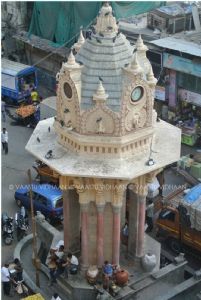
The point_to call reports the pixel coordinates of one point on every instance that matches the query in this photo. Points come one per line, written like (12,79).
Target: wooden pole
(36,260)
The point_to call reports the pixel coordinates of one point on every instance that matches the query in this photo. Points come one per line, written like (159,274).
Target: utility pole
(36,260)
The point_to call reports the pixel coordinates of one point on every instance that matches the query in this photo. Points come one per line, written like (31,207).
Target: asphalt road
(14,171)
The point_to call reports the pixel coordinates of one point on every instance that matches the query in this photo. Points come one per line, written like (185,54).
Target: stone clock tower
(102,138)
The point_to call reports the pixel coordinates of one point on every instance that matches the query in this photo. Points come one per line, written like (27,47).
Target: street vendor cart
(45,173)
(26,114)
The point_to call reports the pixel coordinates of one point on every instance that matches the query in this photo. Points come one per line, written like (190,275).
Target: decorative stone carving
(100,119)
(106,23)
(68,109)
(100,127)
(135,120)
(137,114)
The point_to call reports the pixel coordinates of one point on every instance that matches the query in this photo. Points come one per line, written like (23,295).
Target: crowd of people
(60,264)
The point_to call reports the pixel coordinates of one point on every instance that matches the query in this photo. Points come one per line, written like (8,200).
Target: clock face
(137,94)
(68,90)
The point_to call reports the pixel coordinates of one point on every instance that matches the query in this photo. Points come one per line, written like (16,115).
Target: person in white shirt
(5,279)
(4,140)
(55,297)
(60,252)
(71,264)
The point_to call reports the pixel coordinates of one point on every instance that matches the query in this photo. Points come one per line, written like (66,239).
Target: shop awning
(178,44)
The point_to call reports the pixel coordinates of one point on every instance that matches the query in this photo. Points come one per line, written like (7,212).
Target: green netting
(59,22)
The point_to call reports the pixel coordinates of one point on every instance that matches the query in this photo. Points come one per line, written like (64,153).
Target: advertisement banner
(172,89)
(160,93)
(188,96)
(181,64)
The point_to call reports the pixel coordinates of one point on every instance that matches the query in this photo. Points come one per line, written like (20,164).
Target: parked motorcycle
(7,228)
(21,223)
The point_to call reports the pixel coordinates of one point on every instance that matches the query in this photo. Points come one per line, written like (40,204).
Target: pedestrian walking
(6,280)
(3,111)
(52,269)
(4,140)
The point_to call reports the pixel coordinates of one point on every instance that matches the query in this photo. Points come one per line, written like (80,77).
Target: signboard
(160,93)
(181,64)
(172,89)
(189,97)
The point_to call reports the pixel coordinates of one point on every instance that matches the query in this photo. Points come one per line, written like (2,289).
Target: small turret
(100,95)
(135,66)
(80,42)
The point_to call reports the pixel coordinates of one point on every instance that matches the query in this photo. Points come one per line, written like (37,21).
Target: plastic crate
(188,139)
(196,170)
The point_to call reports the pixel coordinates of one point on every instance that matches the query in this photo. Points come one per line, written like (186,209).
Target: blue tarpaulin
(194,194)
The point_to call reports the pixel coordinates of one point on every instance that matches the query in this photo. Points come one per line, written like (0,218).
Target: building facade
(105,140)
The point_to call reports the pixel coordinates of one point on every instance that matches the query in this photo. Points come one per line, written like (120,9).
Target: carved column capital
(100,207)
(65,182)
(116,209)
(139,186)
(118,190)
(150,176)
(79,185)
(84,207)
(99,190)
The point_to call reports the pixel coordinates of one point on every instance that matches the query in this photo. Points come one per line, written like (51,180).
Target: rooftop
(180,44)
(66,162)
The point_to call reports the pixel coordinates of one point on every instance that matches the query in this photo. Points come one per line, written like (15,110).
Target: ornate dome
(105,93)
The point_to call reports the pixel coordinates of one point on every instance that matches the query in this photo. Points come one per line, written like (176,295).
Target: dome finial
(71,58)
(151,80)
(80,41)
(106,22)
(135,65)
(100,94)
(140,46)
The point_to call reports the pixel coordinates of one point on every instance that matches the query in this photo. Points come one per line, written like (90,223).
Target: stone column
(133,221)
(137,208)
(66,219)
(116,234)
(141,225)
(84,236)
(100,235)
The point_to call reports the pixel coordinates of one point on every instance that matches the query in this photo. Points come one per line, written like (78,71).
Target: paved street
(14,170)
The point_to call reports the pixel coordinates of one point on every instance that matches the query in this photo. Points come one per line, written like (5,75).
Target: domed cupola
(105,93)
(104,55)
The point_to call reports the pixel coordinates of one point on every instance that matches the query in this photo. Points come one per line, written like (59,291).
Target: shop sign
(181,64)
(160,93)
(172,89)
(189,97)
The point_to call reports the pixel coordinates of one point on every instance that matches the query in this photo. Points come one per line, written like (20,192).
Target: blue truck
(16,80)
